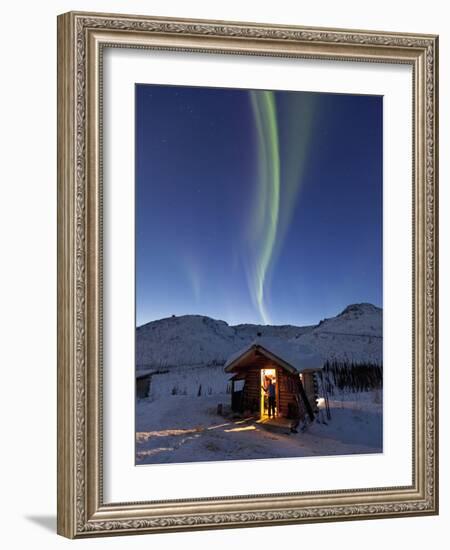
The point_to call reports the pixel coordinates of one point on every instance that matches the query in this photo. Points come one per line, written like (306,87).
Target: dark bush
(351,376)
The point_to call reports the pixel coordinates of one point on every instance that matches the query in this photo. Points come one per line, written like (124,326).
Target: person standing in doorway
(271,398)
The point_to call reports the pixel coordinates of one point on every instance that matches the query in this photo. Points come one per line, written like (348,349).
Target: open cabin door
(268,377)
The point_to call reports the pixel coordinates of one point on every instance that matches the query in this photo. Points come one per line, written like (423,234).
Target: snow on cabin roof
(298,357)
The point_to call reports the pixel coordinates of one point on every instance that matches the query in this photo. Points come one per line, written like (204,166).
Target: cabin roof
(292,356)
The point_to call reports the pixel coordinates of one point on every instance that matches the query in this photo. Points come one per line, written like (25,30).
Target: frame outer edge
(76,235)
(435,327)
(66,524)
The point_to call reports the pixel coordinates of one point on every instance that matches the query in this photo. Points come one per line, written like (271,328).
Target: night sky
(256,206)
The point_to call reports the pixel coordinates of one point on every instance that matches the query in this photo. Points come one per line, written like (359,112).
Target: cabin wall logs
(252,389)
(287,391)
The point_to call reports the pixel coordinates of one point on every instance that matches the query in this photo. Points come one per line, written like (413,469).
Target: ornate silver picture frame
(83,39)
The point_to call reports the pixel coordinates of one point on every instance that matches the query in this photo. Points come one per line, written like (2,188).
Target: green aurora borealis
(268,226)
(257,206)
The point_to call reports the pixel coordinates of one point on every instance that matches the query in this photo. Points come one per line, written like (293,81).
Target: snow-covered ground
(189,381)
(186,428)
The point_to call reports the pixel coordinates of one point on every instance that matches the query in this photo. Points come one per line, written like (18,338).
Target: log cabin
(290,367)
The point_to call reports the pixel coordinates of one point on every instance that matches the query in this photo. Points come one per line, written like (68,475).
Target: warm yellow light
(241,421)
(268,372)
(243,429)
(218,426)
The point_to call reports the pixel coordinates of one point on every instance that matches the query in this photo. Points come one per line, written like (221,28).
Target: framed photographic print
(247,274)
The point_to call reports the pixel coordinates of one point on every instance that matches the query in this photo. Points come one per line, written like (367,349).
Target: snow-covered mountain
(356,334)
(196,340)
(188,340)
(362,319)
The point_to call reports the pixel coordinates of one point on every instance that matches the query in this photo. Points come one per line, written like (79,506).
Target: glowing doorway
(269,393)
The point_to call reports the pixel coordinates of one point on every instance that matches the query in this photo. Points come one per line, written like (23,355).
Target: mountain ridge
(196,340)
(351,308)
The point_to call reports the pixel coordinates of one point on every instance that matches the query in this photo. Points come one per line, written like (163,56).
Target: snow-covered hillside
(195,340)
(189,340)
(362,319)
(356,334)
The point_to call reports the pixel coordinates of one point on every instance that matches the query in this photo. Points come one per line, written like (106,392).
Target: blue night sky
(256,206)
